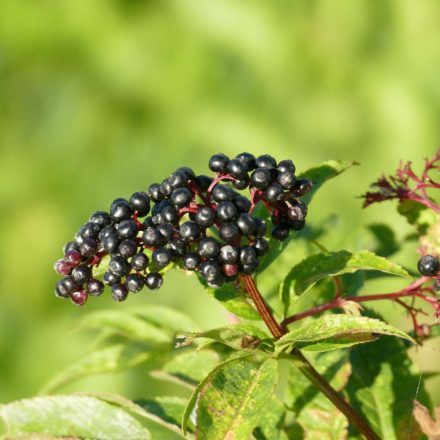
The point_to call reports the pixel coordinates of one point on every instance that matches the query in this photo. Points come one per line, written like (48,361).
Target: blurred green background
(100,98)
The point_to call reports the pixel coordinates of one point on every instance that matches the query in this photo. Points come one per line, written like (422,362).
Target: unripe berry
(79,297)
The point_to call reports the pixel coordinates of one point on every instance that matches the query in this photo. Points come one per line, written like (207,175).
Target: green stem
(304,365)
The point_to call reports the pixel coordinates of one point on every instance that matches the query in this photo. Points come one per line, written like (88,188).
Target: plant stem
(304,365)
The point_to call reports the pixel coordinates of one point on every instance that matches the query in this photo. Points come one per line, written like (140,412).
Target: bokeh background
(100,98)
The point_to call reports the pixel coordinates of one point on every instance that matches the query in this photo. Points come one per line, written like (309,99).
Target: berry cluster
(197,222)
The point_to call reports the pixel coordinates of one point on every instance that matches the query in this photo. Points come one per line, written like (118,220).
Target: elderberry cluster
(196,222)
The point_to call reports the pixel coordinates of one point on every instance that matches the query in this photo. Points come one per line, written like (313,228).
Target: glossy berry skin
(169,215)
(63,267)
(218,163)
(110,278)
(152,237)
(166,230)
(248,160)
(236,168)
(230,270)
(228,254)
(101,218)
(162,257)
(222,193)
(181,197)
(205,217)
(111,243)
(246,224)
(302,187)
(81,274)
(286,166)
(242,182)
(79,297)
(191,261)
(242,203)
(296,212)
(73,257)
(95,287)
(274,192)
(127,229)
(177,246)
(154,192)
(260,178)
(120,210)
(229,233)
(70,246)
(296,225)
(90,230)
(265,161)
(208,247)
(189,231)
(154,280)
(140,202)
(118,266)
(428,265)
(261,246)
(210,270)
(286,179)
(139,262)
(127,248)
(63,289)
(119,292)
(203,182)
(88,247)
(248,255)
(261,228)
(280,232)
(178,179)
(134,282)
(226,212)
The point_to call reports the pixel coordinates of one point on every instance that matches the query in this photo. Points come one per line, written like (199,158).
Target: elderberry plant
(345,373)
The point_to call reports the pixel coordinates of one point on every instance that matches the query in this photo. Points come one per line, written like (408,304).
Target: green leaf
(158,417)
(272,422)
(233,399)
(127,324)
(195,395)
(75,416)
(308,272)
(233,301)
(418,215)
(385,243)
(188,367)
(110,359)
(383,386)
(330,332)
(317,415)
(238,336)
(318,175)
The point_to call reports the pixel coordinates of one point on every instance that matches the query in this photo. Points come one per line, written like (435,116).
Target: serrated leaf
(238,336)
(234,398)
(188,368)
(110,359)
(383,386)
(318,417)
(127,324)
(318,175)
(312,269)
(233,301)
(195,395)
(75,416)
(330,332)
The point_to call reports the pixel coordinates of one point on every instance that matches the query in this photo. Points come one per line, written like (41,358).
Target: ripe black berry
(127,229)
(119,292)
(63,288)
(210,270)
(203,182)
(218,163)
(205,217)
(265,161)
(134,282)
(242,182)
(111,243)
(189,230)
(127,248)
(242,203)
(261,246)
(88,247)
(154,192)
(191,261)
(120,210)
(296,212)
(226,211)
(154,280)
(208,248)
(152,237)
(286,179)
(286,166)
(139,262)
(118,266)
(274,192)
(302,187)
(101,218)
(260,178)
(177,246)
(181,197)
(248,160)
(246,224)
(110,278)
(428,265)
(178,179)
(81,274)
(229,232)
(162,257)
(90,230)
(70,246)
(280,232)
(222,193)
(248,255)
(95,287)
(236,168)
(228,254)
